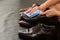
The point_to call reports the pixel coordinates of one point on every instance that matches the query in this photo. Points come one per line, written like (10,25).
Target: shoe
(25,24)
(25,36)
(32,31)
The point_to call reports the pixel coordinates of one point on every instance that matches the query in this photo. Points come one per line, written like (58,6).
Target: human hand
(42,7)
(33,8)
(51,13)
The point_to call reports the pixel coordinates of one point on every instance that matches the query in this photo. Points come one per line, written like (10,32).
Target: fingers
(50,13)
(27,11)
(32,9)
(42,8)
(34,5)
(47,13)
(22,10)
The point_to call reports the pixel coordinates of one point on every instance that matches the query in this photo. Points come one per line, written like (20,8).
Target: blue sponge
(37,12)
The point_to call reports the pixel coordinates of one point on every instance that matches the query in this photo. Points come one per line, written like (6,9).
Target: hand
(32,10)
(28,9)
(42,7)
(51,13)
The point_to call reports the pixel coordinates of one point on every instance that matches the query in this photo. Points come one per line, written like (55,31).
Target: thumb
(42,13)
(47,12)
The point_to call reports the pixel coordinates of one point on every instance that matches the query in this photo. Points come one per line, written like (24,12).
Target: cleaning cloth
(37,12)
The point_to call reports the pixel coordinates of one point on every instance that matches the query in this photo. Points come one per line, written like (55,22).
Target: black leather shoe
(25,24)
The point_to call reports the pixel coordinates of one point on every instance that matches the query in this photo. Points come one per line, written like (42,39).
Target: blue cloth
(37,12)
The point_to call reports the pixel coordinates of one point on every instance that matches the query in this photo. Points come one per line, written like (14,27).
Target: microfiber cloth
(37,12)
